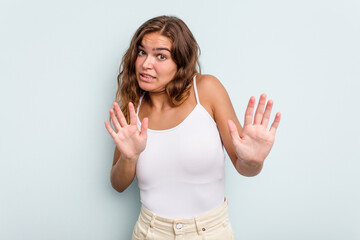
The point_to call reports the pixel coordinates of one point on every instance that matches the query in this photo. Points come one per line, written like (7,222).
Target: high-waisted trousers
(212,225)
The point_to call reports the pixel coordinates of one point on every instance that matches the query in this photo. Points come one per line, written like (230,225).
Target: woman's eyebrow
(159,49)
(156,49)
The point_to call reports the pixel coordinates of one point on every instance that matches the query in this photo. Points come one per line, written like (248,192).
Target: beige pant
(213,225)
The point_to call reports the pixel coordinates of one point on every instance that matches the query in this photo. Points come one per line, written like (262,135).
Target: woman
(170,133)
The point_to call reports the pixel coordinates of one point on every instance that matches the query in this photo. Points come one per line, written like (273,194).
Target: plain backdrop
(59,61)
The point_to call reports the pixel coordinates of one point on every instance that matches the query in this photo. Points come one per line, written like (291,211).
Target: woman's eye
(141,52)
(161,57)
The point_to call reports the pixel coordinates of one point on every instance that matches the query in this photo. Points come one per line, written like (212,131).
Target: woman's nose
(148,62)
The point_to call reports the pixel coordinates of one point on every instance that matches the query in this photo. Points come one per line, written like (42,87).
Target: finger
(109,129)
(233,130)
(114,120)
(266,117)
(119,114)
(132,114)
(260,109)
(249,111)
(275,124)
(144,127)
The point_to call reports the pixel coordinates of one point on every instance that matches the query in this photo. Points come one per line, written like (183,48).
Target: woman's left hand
(255,141)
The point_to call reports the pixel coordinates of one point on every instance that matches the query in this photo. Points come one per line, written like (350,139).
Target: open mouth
(146,77)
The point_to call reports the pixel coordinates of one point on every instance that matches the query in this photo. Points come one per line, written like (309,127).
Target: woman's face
(154,66)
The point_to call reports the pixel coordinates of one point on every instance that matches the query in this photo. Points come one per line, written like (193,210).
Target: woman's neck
(159,101)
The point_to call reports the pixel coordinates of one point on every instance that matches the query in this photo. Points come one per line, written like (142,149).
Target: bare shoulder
(211,92)
(208,82)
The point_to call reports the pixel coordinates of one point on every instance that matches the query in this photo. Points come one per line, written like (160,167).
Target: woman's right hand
(127,137)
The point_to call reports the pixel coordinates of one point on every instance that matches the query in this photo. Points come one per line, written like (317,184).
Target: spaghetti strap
(138,107)
(196,93)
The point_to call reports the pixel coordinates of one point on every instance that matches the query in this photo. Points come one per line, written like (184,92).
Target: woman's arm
(130,142)
(246,146)
(122,171)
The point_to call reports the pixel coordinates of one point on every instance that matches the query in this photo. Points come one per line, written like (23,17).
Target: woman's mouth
(146,77)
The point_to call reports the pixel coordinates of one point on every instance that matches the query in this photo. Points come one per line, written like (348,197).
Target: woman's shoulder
(210,88)
(207,80)
(212,93)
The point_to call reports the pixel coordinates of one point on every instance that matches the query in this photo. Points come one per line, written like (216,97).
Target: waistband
(201,223)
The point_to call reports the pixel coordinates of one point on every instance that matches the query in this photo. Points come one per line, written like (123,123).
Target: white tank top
(181,172)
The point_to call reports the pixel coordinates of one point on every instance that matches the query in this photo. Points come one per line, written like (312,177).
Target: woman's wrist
(248,168)
(129,158)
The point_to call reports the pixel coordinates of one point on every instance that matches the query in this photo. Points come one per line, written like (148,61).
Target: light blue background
(59,61)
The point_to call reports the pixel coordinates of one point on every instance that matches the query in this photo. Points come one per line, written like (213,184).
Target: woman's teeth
(147,76)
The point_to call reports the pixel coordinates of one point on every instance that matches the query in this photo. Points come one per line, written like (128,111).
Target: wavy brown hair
(185,53)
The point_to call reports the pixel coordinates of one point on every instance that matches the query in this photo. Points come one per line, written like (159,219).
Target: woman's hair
(185,53)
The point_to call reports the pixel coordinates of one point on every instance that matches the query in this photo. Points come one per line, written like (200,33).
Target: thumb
(233,130)
(144,127)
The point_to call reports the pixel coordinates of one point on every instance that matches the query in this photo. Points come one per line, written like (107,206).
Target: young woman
(170,131)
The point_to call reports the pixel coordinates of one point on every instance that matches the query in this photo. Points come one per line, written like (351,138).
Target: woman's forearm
(123,173)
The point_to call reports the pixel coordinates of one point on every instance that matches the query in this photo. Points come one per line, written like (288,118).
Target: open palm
(127,137)
(255,141)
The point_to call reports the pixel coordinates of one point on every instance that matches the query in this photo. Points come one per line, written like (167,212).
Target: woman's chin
(145,86)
